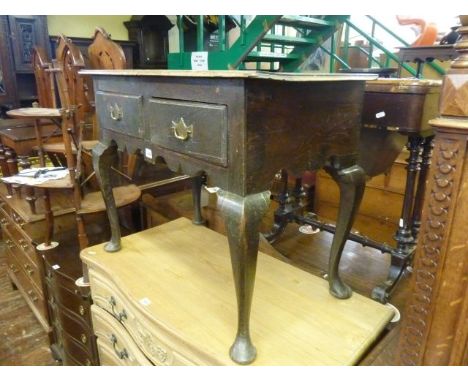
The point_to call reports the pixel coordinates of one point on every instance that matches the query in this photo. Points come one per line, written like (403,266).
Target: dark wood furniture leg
(103,158)
(242,216)
(426,155)
(401,256)
(351,181)
(197,183)
(284,212)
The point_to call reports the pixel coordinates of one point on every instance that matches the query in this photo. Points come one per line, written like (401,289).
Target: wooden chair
(74,107)
(45,110)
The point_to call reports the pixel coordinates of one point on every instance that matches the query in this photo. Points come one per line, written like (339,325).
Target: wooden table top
(185,272)
(290,77)
(403,85)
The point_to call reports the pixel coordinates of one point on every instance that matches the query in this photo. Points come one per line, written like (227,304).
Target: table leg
(242,216)
(404,238)
(282,214)
(351,181)
(197,182)
(421,188)
(103,158)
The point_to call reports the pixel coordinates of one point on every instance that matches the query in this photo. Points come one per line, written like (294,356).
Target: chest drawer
(30,292)
(121,113)
(76,354)
(193,128)
(23,259)
(75,327)
(115,346)
(149,338)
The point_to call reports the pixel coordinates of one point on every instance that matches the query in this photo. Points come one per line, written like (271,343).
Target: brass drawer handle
(116,112)
(33,296)
(10,244)
(28,269)
(120,316)
(81,309)
(122,354)
(13,268)
(83,338)
(181,130)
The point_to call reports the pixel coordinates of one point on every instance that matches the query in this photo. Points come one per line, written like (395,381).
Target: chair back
(105,53)
(44,78)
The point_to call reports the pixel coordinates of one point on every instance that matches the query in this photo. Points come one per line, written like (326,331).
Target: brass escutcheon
(181,130)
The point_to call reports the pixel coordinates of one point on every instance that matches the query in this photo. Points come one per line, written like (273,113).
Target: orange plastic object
(428,33)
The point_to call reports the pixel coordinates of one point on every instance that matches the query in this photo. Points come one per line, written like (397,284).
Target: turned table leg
(401,255)
(242,216)
(351,181)
(197,183)
(421,187)
(103,158)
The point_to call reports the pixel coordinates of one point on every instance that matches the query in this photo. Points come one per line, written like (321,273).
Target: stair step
(270,57)
(288,40)
(304,22)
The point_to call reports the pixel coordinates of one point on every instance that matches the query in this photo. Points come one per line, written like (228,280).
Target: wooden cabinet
(151,35)
(7,77)
(167,298)
(69,306)
(18,36)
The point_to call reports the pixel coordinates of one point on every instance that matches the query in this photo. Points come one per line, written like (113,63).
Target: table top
(428,53)
(289,77)
(403,85)
(185,272)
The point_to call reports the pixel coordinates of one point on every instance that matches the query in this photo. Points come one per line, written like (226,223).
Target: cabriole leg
(242,216)
(103,158)
(351,181)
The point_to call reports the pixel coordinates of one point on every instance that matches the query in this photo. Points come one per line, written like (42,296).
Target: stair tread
(270,56)
(288,40)
(305,22)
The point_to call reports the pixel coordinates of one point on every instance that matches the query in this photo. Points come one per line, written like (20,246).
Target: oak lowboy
(236,130)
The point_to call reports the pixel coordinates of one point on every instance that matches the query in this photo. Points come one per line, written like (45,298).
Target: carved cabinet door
(25,33)
(7,78)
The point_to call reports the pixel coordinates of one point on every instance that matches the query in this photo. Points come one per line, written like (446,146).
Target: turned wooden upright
(435,325)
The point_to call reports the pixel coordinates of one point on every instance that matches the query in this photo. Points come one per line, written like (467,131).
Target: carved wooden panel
(27,32)
(454,101)
(7,79)
(434,316)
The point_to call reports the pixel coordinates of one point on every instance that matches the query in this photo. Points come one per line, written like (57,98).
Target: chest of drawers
(69,306)
(168,299)
(22,231)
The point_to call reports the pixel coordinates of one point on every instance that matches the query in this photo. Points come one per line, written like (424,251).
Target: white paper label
(149,153)
(212,190)
(199,60)
(55,266)
(308,229)
(145,301)
(380,114)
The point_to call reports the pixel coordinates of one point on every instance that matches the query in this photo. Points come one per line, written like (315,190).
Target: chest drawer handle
(181,130)
(13,268)
(120,316)
(33,296)
(121,354)
(116,112)
(28,269)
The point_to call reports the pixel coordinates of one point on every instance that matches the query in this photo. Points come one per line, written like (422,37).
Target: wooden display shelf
(177,279)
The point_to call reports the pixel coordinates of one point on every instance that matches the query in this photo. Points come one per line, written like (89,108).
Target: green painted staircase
(263,40)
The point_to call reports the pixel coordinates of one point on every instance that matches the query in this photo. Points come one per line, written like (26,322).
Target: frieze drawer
(193,128)
(115,346)
(121,113)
